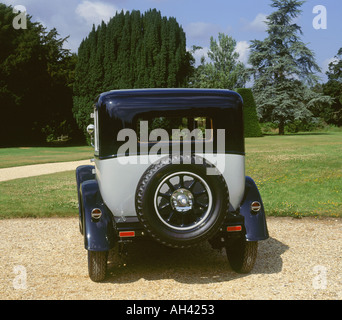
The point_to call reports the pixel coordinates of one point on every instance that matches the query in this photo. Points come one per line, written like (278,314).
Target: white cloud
(258,24)
(199,54)
(325,64)
(95,12)
(243,49)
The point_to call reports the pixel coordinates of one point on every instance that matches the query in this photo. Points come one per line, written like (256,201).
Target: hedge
(251,123)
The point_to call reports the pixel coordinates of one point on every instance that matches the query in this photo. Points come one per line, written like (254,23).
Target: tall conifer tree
(284,68)
(132,50)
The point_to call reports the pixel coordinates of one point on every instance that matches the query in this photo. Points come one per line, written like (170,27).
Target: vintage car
(169,166)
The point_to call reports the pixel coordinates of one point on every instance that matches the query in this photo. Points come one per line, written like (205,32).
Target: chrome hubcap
(182,200)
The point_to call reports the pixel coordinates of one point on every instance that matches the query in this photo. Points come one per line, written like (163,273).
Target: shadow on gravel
(199,265)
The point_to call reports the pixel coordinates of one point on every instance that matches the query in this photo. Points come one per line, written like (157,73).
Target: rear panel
(118,181)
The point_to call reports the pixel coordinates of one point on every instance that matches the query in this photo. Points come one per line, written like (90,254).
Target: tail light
(234,228)
(126,234)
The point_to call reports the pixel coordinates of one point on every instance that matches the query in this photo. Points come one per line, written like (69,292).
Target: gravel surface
(46,259)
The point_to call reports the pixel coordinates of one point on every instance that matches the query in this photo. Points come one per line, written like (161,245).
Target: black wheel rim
(183,201)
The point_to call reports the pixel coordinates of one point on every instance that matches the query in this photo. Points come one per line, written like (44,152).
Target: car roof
(172,92)
(123,109)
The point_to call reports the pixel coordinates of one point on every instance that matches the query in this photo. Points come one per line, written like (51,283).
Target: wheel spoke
(200,193)
(165,205)
(181,181)
(164,195)
(192,184)
(170,216)
(182,220)
(196,216)
(200,204)
(171,186)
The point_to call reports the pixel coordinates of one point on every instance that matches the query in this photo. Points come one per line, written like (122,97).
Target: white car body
(118,181)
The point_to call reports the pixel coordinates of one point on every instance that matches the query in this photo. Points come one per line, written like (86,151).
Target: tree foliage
(333,88)
(36,76)
(224,70)
(284,69)
(132,50)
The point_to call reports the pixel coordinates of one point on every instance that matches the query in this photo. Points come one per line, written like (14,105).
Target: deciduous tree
(36,76)
(223,70)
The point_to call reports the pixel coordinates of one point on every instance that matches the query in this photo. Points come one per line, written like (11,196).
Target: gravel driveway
(45,259)
(7,174)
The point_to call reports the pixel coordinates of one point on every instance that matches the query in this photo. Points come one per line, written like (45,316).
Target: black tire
(242,255)
(97,265)
(179,204)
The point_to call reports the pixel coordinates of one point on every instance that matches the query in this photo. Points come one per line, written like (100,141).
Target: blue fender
(255,223)
(83,173)
(99,235)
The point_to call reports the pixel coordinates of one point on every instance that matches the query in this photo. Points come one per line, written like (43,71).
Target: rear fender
(255,223)
(99,235)
(83,173)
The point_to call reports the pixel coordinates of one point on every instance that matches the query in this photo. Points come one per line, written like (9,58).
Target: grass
(297,175)
(52,195)
(13,157)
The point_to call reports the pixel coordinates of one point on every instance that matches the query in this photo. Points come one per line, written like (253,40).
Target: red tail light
(126,234)
(234,229)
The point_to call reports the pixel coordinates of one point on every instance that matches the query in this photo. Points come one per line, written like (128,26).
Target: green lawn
(52,195)
(13,157)
(297,175)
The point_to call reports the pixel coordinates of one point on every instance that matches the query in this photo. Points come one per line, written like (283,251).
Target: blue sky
(200,19)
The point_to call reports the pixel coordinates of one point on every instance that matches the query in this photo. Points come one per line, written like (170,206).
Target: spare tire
(179,204)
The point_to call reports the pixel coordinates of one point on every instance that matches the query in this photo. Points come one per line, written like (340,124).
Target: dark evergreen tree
(132,50)
(284,69)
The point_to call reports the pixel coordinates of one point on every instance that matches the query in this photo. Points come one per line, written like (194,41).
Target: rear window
(174,129)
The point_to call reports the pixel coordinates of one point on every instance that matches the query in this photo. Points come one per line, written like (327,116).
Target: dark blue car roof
(120,109)
(180,97)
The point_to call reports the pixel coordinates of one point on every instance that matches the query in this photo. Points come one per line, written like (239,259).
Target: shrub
(269,128)
(304,126)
